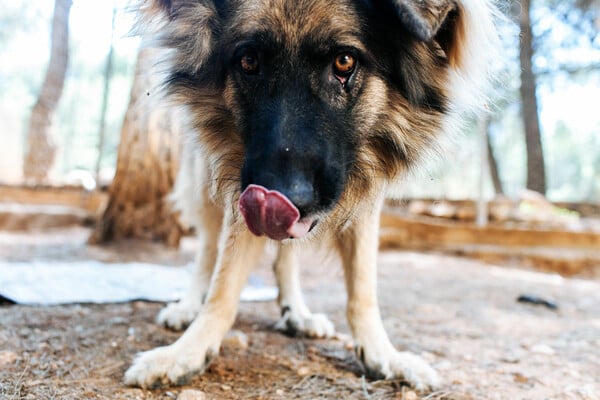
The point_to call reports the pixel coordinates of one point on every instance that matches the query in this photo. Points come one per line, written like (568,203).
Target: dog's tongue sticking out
(269,212)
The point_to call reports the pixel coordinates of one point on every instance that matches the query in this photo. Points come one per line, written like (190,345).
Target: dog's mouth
(271,213)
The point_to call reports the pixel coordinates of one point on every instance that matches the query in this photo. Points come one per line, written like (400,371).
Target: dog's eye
(249,62)
(344,64)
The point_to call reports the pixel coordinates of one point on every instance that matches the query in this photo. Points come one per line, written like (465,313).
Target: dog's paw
(165,366)
(178,316)
(309,325)
(401,365)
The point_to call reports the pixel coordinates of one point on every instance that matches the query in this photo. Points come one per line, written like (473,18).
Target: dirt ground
(460,314)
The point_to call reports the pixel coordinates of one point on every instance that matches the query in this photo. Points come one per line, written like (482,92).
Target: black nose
(309,179)
(301,193)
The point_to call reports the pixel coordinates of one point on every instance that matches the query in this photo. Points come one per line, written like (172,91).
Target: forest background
(102,56)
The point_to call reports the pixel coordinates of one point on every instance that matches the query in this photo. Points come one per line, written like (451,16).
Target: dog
(303,116)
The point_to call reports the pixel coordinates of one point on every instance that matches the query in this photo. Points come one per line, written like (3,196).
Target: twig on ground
(363,384)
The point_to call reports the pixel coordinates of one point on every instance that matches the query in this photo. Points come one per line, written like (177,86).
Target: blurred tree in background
(536,170)
(552,65)
(41,150)
(24,57)
(146,165)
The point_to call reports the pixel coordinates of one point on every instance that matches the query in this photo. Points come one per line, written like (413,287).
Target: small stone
(8,357)
(543,349)
(444,365)
(410,395)
(43,346)
(428,356)
(349,345)
(225,388)
(344,338)
(513,356)
(520,378)
(303,371)
(236,339)
(279,392)
(190,394)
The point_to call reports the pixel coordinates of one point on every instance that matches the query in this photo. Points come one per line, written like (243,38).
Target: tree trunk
(146,166)
(493,164)
(536,176)
(41,147)
(105,95)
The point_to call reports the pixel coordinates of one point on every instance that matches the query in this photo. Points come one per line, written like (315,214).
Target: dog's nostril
(302,195)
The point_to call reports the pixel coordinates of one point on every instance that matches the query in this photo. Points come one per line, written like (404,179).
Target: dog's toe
(414,370)
(165,366)
(178,316)
(310,325)
(405,366)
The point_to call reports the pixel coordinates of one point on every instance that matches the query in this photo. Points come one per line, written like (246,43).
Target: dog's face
(295,86)
(311,99)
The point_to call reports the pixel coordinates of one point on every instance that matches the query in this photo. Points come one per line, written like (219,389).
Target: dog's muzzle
(271,213)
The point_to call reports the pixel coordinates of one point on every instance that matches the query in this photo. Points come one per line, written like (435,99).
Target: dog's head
(308,100)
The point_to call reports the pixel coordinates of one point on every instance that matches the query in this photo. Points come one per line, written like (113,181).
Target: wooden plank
(93,202)
(400,231)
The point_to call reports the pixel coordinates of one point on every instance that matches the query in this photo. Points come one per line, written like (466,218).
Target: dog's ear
(169,7)
(465,31)
(423,18)
(189,27)
(434,20)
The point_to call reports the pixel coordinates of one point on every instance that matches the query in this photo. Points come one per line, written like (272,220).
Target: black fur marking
(210,356)
(285,310)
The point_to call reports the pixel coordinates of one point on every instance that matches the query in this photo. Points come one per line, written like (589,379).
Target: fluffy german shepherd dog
(303,116)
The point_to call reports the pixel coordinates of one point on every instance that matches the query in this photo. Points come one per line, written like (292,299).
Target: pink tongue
(269,212)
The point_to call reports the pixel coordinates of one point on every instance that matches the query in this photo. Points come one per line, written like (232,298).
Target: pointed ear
(170,8)
(434,20)
(187,27)
(423,18)
(465,31)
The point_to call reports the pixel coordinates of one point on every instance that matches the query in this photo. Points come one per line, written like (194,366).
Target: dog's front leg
(296,318)
(193,351)
(358,245)
(209,218)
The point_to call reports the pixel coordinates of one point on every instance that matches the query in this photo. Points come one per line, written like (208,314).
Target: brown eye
(344,64)
(249,63)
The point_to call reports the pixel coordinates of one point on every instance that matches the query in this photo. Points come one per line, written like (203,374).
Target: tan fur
(394,133)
